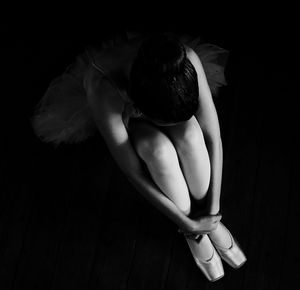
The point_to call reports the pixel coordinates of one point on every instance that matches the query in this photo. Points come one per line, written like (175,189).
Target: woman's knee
(185,206)
(156,148)
(188,136)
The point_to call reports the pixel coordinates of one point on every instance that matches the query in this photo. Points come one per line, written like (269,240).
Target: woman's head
(163,82)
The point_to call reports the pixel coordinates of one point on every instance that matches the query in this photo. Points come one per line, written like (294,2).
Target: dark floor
(69,219)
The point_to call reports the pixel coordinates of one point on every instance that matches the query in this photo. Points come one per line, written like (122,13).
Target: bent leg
(193,155)
(190,145)
(159,154)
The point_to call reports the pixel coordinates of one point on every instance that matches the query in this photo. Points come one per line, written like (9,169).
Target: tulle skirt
(63,114)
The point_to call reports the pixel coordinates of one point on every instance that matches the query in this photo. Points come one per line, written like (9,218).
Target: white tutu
(63,114)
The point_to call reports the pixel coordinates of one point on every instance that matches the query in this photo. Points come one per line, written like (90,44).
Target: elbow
(220,142)
(214,140)
(214,145)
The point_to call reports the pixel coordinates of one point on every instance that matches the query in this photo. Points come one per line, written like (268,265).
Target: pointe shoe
(212,268)
(233,255)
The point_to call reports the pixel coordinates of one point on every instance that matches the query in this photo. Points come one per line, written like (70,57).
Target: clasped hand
(201,223)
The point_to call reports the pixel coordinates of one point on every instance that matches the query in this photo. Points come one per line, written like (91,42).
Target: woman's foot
(227,247)
(206,258)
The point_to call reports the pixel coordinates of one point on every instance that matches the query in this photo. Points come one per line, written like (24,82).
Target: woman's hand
(201,225)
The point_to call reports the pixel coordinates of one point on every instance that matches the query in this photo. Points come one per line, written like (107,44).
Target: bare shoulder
(193,58)
(107,107)
(103,98)
(205,97)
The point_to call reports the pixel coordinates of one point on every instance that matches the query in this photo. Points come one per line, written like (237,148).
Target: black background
(262,94)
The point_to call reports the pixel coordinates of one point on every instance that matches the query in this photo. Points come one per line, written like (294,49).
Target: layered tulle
(63,114)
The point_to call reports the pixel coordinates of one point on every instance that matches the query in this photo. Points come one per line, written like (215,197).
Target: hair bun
(162,54)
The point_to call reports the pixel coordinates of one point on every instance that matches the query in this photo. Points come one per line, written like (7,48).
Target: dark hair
(163,82)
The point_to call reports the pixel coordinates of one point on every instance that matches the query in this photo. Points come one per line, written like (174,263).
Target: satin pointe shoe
(211,268)
(233,255)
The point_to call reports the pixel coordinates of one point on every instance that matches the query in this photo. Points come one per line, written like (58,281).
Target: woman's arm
(209,123)
(108,117)
(107,112)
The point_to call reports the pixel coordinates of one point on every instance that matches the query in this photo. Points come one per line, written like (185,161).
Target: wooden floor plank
(45,227)
(121,229)
(270,210)
(114,218)
(12,231)
(7,191)
(153,250)
(77,249)
(270,207)
(288,259)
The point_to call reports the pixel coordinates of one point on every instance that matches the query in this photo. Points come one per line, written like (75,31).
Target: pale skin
(184,159)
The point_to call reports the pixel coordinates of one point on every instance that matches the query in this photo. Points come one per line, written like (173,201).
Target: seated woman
(151,100)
